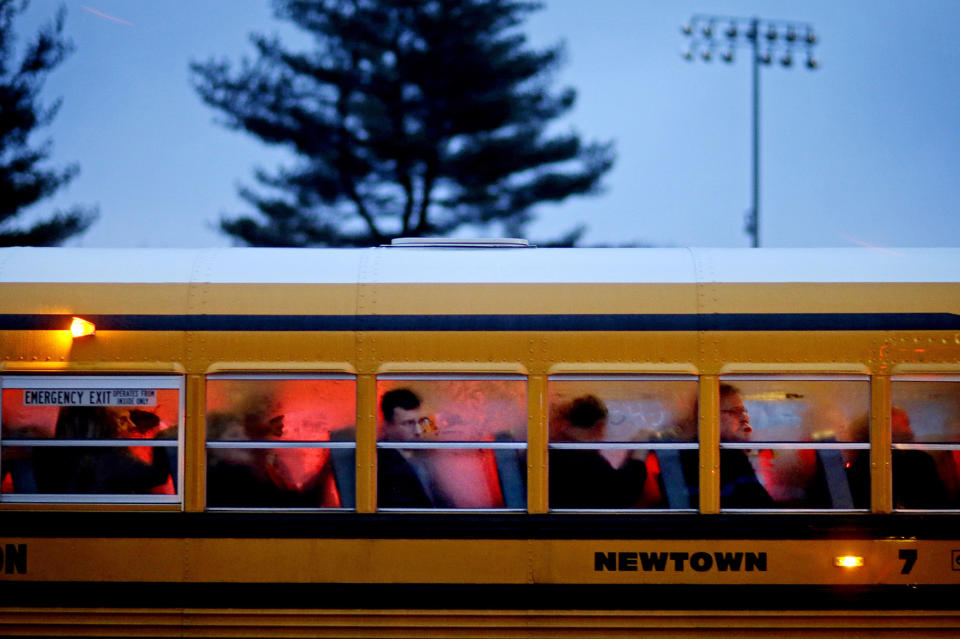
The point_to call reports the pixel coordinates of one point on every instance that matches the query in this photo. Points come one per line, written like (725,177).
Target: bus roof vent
(452,242)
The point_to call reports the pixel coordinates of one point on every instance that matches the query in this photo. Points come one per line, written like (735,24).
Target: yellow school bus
(479,439)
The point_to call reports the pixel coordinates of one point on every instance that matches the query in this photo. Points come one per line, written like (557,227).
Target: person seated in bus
(916,481)
(252,477)
(403,480)
(147,425)
(96,470)
(586,478)
(739,486)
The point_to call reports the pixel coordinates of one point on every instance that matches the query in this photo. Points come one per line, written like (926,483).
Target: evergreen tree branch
(406,117)
(24,180)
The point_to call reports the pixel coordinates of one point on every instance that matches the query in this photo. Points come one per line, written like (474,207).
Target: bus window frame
(922,446)
(733,378)
(629,446)
(279,375)
(455,445)
(76,379)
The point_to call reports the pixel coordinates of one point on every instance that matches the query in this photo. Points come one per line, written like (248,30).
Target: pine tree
(408,118)
(23,179)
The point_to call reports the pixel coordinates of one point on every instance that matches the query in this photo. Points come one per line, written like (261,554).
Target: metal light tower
(768,41)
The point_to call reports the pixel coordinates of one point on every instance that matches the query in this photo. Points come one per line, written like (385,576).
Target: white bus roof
(403,265)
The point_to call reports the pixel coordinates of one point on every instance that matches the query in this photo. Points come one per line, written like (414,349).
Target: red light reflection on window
(307,410)
(40,422)
(22,421)
(468,410)
(310,409)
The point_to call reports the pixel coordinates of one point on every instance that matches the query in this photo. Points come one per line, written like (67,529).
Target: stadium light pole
(709,33)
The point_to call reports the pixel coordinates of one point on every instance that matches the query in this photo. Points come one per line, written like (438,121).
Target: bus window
(925,425)
(90,439)
(794,442)
(451,442)
(281,441)
(623,442)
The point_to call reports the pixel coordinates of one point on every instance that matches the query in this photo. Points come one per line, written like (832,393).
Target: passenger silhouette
(585,478)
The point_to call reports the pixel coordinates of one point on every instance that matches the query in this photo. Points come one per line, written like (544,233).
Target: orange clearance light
(80,327)
(848,561)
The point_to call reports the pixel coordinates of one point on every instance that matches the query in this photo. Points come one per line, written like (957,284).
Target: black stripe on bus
(466,525)
(542,322)
(418,596)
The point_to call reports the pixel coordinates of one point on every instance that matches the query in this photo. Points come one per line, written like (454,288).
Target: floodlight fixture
(767,40)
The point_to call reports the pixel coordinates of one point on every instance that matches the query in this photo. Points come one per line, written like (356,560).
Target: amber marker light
(80,327)
(848,561)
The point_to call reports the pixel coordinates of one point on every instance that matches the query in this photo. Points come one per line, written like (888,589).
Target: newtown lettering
(679,561)
(13,559)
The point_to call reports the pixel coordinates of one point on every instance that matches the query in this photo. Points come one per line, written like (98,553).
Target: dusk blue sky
(863,151)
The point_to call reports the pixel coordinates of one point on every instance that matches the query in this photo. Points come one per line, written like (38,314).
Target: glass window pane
(925,411)
(611,479)
(926,479)
(623,410)
(437,411)
(795,478)
(89,470)
(929,411)
(793,410)
(459,410)
(445,478)
(107,411)
(280,478)
(70,412)
(637,410)
(273,409)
